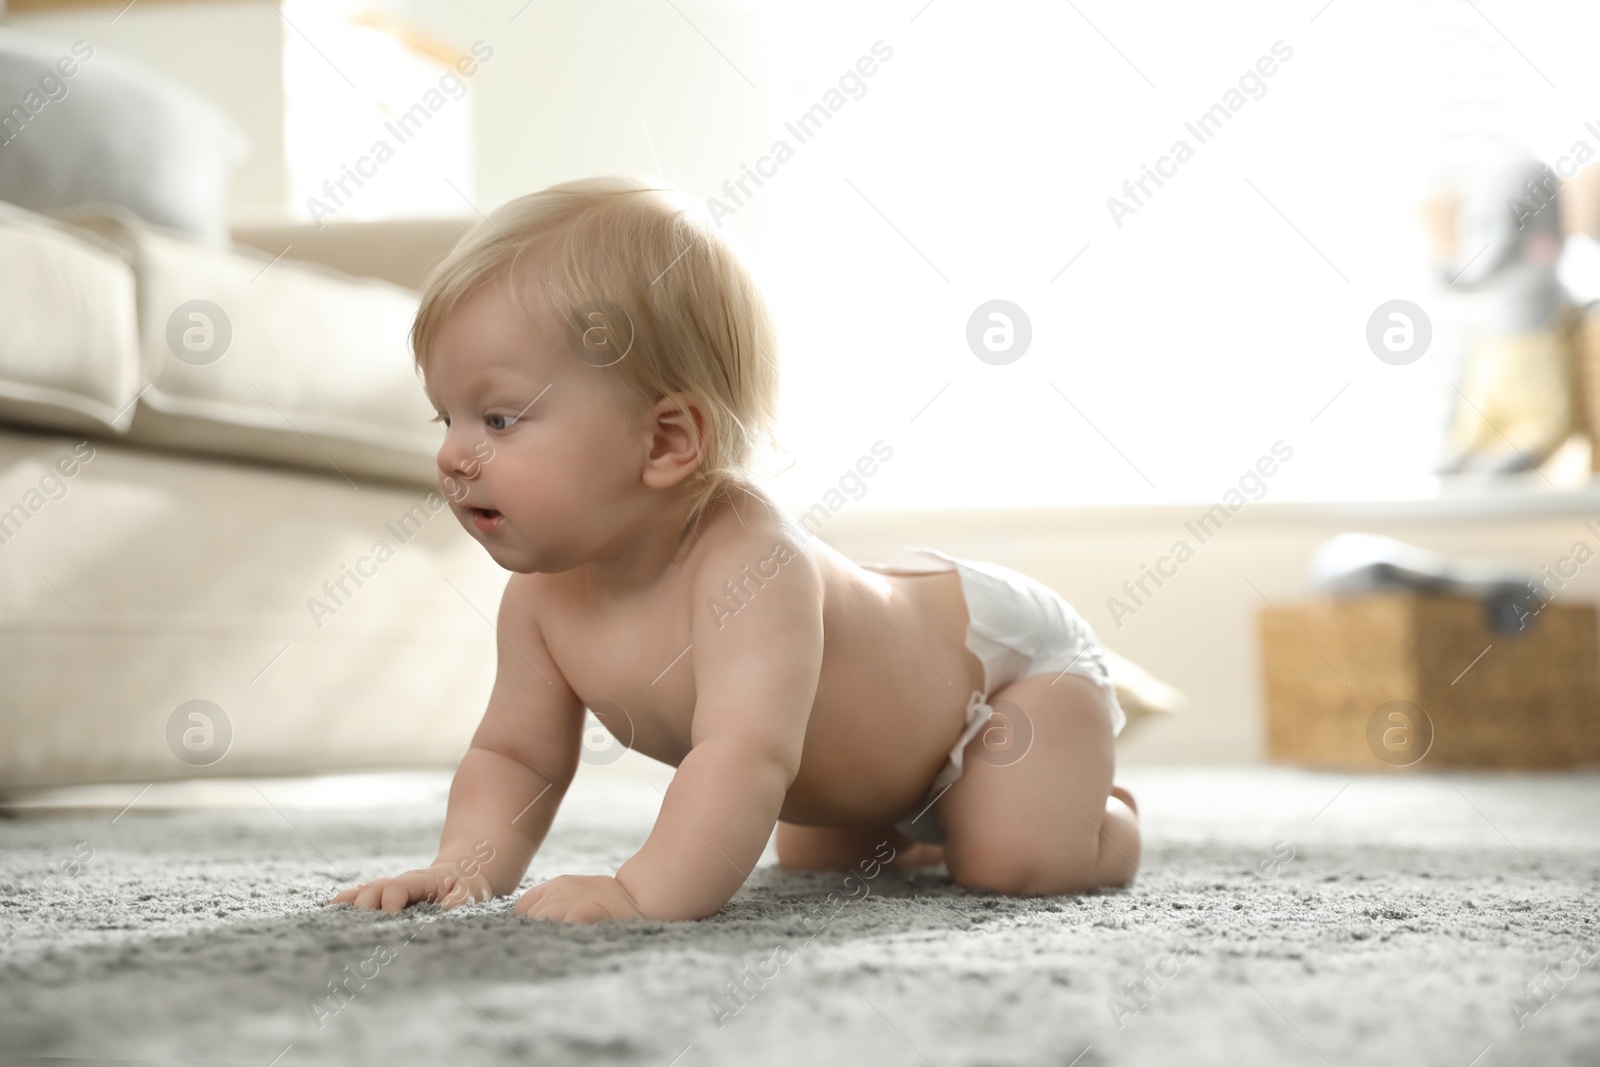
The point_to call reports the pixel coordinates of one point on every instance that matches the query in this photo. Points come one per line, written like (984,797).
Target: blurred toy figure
(1580,277)
(1499,237)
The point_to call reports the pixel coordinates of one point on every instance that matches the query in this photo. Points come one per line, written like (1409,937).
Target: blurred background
(1091,272)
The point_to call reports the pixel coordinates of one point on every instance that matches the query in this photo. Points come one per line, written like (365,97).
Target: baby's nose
(455,456)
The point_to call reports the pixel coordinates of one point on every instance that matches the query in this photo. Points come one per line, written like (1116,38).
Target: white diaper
(1017,627)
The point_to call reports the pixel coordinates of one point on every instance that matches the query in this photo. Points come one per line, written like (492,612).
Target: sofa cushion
(69,352)
(269,359)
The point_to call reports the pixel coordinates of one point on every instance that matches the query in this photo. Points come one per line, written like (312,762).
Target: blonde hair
(649,294)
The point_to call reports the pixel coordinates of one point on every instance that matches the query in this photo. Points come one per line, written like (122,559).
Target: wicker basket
(1411,680)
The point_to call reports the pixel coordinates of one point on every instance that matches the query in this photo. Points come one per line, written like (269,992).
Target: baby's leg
(841,848)
(1047,822)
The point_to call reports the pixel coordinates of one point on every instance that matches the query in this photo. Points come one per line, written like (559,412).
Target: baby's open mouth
(486,519)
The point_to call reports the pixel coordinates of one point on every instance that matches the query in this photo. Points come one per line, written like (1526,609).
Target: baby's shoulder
(748,562)
(521,600)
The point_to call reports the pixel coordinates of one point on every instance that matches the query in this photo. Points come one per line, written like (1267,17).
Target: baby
(606,372)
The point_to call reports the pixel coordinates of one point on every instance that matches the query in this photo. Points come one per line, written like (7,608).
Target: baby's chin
(520,558)
(512,557)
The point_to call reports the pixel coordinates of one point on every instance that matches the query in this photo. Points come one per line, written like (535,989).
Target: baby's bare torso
(891,695)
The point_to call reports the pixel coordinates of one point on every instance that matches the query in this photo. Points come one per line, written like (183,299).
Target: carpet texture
(1282,918)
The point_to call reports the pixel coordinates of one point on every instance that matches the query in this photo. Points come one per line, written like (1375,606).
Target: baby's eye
(441,418)
(499,422)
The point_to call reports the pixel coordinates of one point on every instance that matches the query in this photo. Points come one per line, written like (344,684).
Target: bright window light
(1226,313)
(376,122)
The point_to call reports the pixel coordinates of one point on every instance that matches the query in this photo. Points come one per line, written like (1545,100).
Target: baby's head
(603,364)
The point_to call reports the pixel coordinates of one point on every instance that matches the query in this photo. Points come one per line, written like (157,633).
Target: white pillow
(81,126)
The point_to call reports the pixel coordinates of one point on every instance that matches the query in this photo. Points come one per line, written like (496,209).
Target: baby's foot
(1126,797)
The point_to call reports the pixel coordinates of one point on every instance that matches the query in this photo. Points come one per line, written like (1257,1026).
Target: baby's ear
(680,437)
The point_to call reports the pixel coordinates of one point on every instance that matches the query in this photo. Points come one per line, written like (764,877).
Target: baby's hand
(573,898)
(443,883)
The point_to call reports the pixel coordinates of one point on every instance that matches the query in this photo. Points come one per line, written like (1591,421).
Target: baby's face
(541,461)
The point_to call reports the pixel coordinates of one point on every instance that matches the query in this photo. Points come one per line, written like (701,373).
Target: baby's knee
(1021,868)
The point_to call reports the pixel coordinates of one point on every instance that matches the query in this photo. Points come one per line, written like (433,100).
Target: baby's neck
(654,543)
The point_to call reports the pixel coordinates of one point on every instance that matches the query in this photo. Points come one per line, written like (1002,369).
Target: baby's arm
(508,785)
(756,676)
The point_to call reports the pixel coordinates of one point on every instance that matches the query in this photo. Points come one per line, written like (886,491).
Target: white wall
(1220,318)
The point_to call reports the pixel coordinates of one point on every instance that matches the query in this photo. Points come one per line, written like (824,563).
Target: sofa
(222,546)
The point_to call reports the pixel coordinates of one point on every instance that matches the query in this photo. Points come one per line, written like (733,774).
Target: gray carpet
(1411,912)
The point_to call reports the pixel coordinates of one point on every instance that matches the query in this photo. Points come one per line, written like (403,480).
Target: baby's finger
(551,906)
(371,894)
(396,896)
(586,913)
(346,894)
(528,901)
